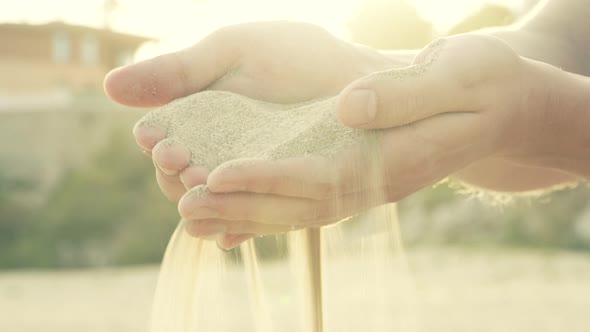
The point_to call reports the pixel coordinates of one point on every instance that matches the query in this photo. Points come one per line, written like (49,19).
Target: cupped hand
(464,99)
(281,62)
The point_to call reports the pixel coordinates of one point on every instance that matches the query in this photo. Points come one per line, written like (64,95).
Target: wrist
(556,128)
(570,108)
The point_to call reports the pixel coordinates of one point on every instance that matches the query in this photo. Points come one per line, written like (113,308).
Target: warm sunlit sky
(179,23)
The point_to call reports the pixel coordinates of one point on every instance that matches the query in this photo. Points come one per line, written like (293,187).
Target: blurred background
(83,225)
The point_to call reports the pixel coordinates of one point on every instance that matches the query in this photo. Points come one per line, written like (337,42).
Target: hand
(274,61)
(511,174)
(479,93)
(474,99)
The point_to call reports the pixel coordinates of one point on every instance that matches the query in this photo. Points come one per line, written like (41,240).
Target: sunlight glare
(180,23)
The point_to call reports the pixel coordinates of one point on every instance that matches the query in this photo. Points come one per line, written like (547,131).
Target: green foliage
(557,220)
(13,216)
(109,211)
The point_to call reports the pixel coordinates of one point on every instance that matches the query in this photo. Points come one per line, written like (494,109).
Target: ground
(455,290)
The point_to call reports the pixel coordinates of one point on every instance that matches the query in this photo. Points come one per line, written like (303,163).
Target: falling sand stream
(349,276)
(227,133)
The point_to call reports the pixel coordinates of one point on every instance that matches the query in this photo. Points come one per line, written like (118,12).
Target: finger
(147,137)
(242,206)
(162,79)
(276,210)
(306,177)
(429,150)
(294,177)
(171,157)
(171,186)
(194,176)
(207,227)
(400,96)
(212,231)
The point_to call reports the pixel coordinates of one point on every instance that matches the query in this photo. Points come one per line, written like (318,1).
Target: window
(62,47)
(90,50)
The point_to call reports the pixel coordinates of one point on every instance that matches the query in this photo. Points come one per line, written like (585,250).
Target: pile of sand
(221,126)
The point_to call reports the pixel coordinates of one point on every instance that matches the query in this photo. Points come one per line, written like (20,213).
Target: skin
(493,110)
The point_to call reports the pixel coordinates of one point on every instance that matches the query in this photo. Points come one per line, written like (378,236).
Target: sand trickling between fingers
(222,129)
(225,130)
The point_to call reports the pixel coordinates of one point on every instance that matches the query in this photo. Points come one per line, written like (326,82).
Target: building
(52,63)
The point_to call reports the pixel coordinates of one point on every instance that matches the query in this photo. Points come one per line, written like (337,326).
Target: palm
(289,62)
(273,61)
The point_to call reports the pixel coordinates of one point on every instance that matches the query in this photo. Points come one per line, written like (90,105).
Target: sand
(220,126)
(223,129)
(461,289)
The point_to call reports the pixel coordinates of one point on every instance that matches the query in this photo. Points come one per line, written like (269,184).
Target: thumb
(158,81)
(401,96)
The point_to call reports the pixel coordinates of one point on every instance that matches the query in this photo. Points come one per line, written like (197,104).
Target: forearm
(563,20)
(546,35)
(529,44)
(541,47)
(553,147)
(564,140)
(538,37)
(576,98)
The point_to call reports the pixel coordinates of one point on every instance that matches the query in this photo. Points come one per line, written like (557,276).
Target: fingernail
(149,130)
(147,136)
(170,151)
(362,106)
(204,213)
